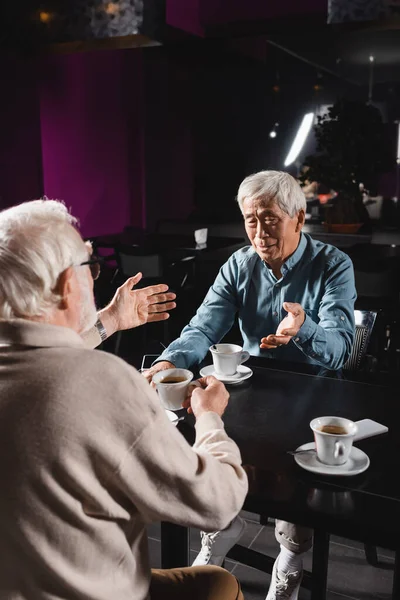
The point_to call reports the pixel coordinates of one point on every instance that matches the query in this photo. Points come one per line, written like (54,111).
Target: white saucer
(242,374)
(358,462)
(173,417)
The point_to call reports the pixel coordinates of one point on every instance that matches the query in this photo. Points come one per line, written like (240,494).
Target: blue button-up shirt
(318,276)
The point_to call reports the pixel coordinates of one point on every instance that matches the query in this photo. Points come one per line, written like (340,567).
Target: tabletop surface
(159,242)
(270,413)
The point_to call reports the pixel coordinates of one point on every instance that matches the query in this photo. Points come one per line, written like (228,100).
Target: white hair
(38,241)
(273,185)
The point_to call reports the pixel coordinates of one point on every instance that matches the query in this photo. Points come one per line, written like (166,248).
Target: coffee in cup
(333,429)
(227,358)
(173,379)
(171,386)
(333,439)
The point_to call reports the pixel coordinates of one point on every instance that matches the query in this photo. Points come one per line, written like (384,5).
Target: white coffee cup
(333,439)
(200,236)
(227,358)
(172,394)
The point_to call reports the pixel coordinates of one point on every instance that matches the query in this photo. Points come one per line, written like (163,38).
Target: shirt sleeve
(202,486)
(211,323)
(329,342)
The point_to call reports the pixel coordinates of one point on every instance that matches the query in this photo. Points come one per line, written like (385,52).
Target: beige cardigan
(87,459)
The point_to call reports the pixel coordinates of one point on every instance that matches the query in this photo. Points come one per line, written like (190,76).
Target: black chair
(130,262)
(365,321)
(176,270)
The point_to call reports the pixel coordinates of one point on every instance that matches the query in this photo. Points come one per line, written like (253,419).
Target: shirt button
(275,314)
(297,339)
(342,318)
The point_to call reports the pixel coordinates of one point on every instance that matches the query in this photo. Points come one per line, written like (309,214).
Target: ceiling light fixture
(300,138)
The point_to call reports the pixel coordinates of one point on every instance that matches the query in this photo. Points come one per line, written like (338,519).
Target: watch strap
(101,329)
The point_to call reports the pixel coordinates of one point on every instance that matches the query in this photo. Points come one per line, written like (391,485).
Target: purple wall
(90,106)
(194,15)
(20,152)
(185,15)
(168,137)
(225,11)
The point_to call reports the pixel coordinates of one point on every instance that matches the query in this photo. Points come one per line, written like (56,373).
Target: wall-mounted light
(300,138)
(45,16)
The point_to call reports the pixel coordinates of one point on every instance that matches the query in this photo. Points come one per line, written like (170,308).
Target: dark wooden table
(152,243)
(268,415)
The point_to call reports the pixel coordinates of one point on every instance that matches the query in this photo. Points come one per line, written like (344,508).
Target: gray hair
(273,185)
(38,242)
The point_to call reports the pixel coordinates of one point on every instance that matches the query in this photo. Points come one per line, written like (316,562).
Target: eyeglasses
(94,265)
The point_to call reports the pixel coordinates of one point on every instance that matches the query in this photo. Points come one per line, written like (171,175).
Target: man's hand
(287,328)
(160,366)
(130,308)
(212,396)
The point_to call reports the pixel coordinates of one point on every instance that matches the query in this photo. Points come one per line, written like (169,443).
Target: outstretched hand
(130,308)
(287,328)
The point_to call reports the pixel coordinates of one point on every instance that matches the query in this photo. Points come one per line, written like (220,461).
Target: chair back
(365,320)
(130,263)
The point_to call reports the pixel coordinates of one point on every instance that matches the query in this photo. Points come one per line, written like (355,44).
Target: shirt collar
(22,332)
(296,256)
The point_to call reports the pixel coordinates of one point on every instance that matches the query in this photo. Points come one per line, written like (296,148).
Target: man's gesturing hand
(130,308)
(211,396)
(287,328)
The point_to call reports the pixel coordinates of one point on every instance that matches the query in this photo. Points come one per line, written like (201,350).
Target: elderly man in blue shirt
(287,283)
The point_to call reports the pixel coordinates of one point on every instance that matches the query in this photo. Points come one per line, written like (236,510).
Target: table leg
(174,546)
(320,565)
(396,577)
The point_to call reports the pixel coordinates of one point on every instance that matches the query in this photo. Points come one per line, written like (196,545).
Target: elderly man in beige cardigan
(87,455)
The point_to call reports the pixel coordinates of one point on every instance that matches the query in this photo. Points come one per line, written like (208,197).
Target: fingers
(209,381)
(132,281)
(160,298)
(186,404)
(152,290)
(153,318)
(273,341)
(267,346)
(291,332)
(293,307)
(160,366)
(163,307)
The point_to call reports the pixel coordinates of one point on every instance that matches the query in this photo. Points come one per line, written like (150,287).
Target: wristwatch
(101,329)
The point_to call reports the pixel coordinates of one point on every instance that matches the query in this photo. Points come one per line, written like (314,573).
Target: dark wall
(235,107)
(168,143)
(20,145)
(131,137)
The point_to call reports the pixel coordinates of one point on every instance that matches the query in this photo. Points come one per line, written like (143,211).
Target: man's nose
(261,230)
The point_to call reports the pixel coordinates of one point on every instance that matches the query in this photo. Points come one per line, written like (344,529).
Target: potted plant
(353,149)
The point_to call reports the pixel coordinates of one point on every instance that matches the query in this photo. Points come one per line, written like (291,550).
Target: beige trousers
(194,583)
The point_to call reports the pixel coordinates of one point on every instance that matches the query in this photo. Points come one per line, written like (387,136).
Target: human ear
(301,216)
(65,288)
